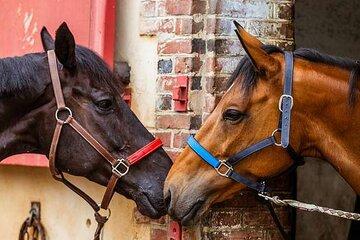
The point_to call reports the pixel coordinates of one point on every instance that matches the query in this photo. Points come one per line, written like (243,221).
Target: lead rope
(311,207)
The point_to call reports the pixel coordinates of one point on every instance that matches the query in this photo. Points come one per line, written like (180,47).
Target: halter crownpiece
(120,167)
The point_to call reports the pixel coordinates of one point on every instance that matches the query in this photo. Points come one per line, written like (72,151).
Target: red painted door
(91,21)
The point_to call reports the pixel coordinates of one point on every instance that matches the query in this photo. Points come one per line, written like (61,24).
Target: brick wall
(196,39)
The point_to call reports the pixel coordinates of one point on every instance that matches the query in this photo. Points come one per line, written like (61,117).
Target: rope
(311,207)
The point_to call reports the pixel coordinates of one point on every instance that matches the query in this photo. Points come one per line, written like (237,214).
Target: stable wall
(64,214)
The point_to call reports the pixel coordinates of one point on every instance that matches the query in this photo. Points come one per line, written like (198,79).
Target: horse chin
(146,208)
(143,202)
(195,212)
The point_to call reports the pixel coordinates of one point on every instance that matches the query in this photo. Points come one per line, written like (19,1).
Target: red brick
(273,235)
(210,64)
(209,103)
(220,84)
(183,26)
(284,11)
(236,235)
(278,30)
(166,25)
(221,218)
(178,7)
(197,64)
(224,26)
(158,234)
(209,84)
(199,6)
(148,27)
(164,136)
(244,199)
(164,102)
(166,83)
(263,219)
(210,25)
(183,64)
(227,46)
(175,46)
(197,26)
(242,9)
(174,121)
(173,154)
(147,9)
(161,9)
(226,65)
(180,139)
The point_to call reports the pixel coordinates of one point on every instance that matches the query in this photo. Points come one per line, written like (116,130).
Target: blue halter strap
(225,168)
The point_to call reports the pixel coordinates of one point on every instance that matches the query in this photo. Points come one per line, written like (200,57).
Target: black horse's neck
(23,81)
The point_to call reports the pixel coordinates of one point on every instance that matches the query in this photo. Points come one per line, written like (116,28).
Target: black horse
(91,90)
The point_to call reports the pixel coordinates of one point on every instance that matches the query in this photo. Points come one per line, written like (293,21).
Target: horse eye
(105,104)
(233,115)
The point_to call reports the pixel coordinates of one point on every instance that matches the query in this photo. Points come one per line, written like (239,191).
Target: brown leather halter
(120,167)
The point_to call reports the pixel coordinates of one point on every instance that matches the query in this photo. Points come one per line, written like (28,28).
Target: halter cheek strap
(120,167)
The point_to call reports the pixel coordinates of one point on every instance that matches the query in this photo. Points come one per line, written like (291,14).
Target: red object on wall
(127,96)
(175,231)
(91,21)
(180,94)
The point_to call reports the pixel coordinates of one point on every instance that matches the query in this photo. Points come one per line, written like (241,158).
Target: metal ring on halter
(101,211)
(281,101)
(273,134)
(120,163)
(67,118)
(228,169)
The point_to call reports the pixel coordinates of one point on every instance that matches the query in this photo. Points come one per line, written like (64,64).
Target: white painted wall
(141,54)
(64,214)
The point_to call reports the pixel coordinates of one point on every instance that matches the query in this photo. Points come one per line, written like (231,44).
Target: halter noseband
(120,167)
(225,168)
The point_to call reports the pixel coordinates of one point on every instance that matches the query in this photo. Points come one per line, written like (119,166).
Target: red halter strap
(144,151)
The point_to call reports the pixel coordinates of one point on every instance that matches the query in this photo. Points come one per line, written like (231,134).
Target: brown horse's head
(93,93)
(248,112)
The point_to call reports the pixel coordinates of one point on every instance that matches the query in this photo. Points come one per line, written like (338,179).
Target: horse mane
(251,75)
(24,76)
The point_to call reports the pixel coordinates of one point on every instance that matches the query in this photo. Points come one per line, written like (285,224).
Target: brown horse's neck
(329,127)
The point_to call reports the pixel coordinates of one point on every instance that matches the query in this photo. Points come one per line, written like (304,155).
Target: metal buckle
(106,213)
(120,163)
(61,110)
(229,169)
(273,134)
(281,100)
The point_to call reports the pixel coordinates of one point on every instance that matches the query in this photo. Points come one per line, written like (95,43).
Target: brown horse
(325,124)
(91,90)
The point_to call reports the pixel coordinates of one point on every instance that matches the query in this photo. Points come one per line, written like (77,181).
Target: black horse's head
(94,95)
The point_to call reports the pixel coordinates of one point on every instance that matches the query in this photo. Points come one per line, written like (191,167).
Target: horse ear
(261,60)
(65,46)
(46,39)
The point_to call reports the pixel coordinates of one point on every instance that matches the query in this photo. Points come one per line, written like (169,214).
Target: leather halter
(225,168)
(120,167)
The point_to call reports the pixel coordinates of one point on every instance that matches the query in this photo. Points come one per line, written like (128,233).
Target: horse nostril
(167,199)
